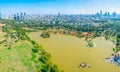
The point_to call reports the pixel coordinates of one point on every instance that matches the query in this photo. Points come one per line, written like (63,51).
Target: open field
(17,59)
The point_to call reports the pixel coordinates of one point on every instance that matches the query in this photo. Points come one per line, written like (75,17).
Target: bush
(90,44)
(34,50)
(45,35)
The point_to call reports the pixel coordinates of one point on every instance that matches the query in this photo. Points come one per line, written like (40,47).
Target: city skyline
(62,6)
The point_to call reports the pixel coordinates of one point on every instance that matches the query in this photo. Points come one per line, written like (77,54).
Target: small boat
(82,65)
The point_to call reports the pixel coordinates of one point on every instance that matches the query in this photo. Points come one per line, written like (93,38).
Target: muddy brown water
(69,51)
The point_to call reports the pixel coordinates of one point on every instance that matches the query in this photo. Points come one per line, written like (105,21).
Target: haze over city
(62,6)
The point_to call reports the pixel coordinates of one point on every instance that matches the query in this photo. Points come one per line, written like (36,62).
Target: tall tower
(59,14)
(24,15)
(21,16)
(15,18)
(108,13)
(100,12)
(114,14)
(18,18)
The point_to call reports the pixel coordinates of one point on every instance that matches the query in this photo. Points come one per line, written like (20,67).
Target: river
(69,51)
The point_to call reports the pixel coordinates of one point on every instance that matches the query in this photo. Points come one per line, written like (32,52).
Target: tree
(90,44)
(45,35)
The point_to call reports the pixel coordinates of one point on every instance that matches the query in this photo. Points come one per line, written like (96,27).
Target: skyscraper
(108,13)
(24,16)
(114,14)
(15,18)
(100,12)
(18,18)
(21,16)
(105,14)
(58,14)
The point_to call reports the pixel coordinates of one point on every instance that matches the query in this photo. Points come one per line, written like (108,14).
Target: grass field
(17,59)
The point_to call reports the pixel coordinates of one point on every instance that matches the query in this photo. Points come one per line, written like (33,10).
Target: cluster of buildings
(17,16)
(20,16)
(106,14)
(61,17)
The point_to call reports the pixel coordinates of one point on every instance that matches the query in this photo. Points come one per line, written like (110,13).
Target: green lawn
(17,59)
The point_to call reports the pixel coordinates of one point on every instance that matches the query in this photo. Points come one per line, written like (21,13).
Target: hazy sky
(62,6)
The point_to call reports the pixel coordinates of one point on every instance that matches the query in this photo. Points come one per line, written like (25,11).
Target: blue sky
(62,6)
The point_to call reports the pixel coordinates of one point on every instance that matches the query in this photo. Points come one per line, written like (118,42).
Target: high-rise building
(100,12)
(21,16)
(24,15)
(58,14)
(18,17)
(15,17)
(114,14)
(97,14)
(108,14)
(105,14)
